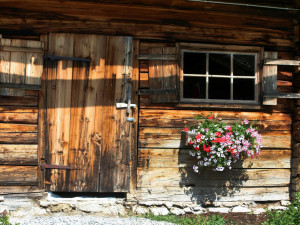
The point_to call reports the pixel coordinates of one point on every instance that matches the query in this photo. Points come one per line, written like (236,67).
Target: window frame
(223,49)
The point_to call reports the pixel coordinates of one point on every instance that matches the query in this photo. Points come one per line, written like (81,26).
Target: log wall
(18,143)
(165,168)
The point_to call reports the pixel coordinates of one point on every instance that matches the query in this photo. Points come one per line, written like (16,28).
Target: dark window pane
(243,65)
(243,89)
(194,63)
(219,88)
(219,64)
(194,87)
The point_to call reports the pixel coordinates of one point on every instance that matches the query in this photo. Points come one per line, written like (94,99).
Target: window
(219,76)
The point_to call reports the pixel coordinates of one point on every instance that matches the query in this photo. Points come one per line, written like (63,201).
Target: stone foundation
(121,207)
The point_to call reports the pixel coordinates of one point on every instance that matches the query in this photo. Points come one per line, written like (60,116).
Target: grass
(291,216)
(193,220)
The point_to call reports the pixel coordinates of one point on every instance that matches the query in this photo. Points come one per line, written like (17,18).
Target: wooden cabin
(94,96)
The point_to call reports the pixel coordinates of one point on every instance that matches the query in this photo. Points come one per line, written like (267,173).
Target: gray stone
(177,211)
(187,210)
(281,208)
(285,203)
(168,205)
(198,209)
(141,210)
(159,211)
(259,211)
(151,203)
(60,208)
(44,203)
(240,209)
(24,212)
(89,207)
(219,210)
(3,208)
(1,198)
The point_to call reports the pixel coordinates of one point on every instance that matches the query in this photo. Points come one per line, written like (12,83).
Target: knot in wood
(97,139)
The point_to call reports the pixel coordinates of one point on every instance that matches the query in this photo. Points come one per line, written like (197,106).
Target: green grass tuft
(185,220)
(291,216)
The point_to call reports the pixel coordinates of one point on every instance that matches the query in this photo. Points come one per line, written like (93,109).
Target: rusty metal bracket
(48,166)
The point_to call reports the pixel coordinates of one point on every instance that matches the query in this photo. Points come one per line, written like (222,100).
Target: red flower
(198,136)
(218,134)
(197,148)
(211,117)
(186,129)
(206,149)
(191,143)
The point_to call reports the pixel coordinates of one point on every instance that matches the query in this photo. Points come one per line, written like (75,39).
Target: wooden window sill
(218,105)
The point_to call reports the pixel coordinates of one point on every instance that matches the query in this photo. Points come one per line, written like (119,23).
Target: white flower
(219,168)
(205,159)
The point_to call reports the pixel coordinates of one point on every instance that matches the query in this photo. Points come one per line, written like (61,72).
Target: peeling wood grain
(179,158)
(18,175)
(181,177)
(18,154)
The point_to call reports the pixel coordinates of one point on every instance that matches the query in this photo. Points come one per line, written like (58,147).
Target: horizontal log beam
(157,57)
(282,62)
(21,86)
(282,95)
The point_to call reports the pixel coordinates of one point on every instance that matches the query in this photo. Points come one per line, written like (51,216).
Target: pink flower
(229,128)
(246,121)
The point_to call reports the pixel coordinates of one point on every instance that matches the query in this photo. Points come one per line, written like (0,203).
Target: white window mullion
(207,80)
(231,76)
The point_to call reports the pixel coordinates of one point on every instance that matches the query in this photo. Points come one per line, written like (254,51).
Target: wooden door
(85,79)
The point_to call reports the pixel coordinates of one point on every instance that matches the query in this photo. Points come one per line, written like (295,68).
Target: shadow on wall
(209,186)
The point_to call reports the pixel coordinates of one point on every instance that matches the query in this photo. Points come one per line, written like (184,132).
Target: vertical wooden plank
(17,67)
(135,113)
(59,121)
(123,152)
(270,78)
(156,74)
(114,156)
(170,74)
(34,64)
(86,113)
(42,119)
(4,66)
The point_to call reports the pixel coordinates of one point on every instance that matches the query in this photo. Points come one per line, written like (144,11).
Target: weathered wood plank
(20,190)
(116,148)
(171,138)
(16,128)
(18,109)
(282,62)
(18,117)
(86,128)
(181,177)
(270,79)
(18,154)
(215,194)
(180,119)
(4,67)
(18,138)
(18,101)
(135,114)
(18,175)
(58,107)
(173,158)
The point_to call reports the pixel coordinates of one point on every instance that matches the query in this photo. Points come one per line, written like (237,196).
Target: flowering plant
(218,145)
